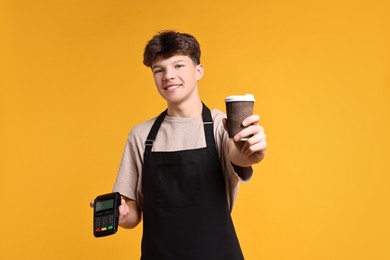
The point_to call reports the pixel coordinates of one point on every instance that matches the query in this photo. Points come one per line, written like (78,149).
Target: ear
(199,71)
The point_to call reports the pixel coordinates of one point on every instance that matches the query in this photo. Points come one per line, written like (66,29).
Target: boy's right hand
(127,218)
(123,210)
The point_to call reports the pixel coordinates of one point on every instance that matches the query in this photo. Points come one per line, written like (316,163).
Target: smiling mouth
(172,87)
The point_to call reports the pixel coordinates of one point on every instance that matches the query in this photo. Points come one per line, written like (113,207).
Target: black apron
(185,210)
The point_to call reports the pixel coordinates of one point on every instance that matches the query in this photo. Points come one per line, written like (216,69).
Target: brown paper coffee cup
(238,107)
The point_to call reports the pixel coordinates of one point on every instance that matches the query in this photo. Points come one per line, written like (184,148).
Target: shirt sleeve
(232,179)
(130,168)
(126,181)
(129,178)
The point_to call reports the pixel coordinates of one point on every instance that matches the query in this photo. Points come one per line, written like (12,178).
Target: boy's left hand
(253,149)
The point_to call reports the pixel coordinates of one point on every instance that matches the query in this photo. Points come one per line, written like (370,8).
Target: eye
(156,71)
(178,66)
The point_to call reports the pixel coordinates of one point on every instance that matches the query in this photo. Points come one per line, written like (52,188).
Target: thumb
(224,122)
(123,207)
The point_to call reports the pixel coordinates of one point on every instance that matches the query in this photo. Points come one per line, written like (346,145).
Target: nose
(169,74)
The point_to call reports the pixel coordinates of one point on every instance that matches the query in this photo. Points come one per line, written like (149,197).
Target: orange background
(72,84)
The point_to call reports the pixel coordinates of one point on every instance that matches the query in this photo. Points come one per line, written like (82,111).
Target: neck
(185,109)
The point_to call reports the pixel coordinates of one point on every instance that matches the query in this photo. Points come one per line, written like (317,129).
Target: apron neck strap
(208,126)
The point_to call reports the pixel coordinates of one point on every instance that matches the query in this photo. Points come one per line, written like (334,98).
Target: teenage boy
(180,170)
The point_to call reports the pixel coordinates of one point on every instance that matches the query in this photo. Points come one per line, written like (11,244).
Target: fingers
(252,127)
(251,120)
(249,132)
(91,203)
(255,146)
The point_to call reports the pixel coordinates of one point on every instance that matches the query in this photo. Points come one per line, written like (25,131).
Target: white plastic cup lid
(246,97)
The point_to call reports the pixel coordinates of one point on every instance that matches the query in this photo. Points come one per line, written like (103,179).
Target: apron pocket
(177,186)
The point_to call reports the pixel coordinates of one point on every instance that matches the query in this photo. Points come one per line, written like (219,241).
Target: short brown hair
(169,43)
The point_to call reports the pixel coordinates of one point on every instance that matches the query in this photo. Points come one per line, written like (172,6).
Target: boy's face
(176,78)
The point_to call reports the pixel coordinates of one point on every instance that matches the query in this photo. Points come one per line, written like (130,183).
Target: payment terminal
(106,214)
